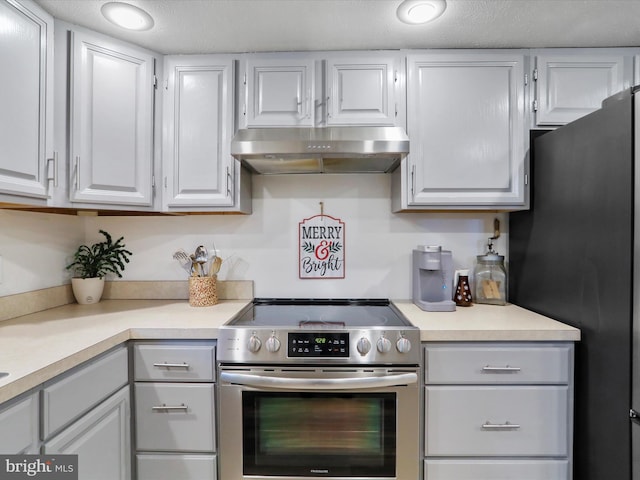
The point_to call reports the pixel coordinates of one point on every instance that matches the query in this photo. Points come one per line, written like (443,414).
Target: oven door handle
(350,383)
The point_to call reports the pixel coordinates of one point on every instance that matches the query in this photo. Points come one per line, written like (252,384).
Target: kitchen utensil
(201,257)
(184,259)
(194,270)
(215,266)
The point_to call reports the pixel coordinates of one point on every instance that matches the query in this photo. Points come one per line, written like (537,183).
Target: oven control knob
(403,345)
(384,344)
(254,344)
(363,346)
(272,344)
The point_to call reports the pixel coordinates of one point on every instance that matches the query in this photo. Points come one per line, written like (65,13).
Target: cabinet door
(571,86)
(466,124)
(198,113)
(496,421)
(101,439)
(279,92)
(19,427)
(475,469)
(26,97)
(361,90)
(173,467)
(112,95)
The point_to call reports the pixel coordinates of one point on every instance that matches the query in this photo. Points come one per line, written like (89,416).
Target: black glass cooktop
(320,313)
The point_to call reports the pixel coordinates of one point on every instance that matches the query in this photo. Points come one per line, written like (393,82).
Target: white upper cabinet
(364,89)
(466,122)
(112,100)
(571,84)
(279,91)
(198,125)
(26,99)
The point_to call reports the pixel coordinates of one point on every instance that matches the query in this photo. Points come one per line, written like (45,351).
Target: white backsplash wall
(35,249)
(264,246)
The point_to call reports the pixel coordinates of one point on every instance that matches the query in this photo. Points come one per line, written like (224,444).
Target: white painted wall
(264,246)
(35,247)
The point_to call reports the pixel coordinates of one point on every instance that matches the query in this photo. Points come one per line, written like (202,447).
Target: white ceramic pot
(87,290)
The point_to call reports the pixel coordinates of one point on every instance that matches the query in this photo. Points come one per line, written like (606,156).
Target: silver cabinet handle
(52,172)
(77,172)
(168,408)
(500,426)
(505,369)
(171,365)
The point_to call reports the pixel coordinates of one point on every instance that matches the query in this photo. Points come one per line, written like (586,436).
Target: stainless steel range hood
(321,150)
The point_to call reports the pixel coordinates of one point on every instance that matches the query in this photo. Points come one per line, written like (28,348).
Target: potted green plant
(91,264)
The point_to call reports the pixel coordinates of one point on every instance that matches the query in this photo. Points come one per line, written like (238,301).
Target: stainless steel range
(319,388)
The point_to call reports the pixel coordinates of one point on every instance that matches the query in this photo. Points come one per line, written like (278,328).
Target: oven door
(299,423)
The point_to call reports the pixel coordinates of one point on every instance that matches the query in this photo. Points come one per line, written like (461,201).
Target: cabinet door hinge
(153,181)
(244,78)
(526,79)
(535,105)
(395,76)
(155,82)
(535,74)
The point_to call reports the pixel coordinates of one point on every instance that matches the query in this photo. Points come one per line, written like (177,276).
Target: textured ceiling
(213,26)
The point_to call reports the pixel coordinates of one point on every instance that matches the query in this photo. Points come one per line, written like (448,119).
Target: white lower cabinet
(174,406)
(175,417)
(101,439)
(175,466)
(19,426)
(87,412)
(496,469)
(498,411)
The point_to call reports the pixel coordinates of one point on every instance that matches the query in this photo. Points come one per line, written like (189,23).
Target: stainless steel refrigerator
(575,257)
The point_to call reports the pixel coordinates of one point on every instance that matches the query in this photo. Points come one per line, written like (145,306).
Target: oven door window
(323,434)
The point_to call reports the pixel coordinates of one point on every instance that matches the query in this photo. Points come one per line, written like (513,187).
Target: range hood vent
(321,150)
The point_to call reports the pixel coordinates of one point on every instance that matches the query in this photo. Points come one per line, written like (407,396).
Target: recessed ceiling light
(127,16)
(420,11)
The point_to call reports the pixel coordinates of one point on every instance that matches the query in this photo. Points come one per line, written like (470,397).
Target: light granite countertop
(35,348)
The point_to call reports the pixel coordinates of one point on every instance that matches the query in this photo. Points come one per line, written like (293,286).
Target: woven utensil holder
(203,291)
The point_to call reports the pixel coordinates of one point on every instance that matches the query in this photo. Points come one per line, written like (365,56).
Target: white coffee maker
(433,279)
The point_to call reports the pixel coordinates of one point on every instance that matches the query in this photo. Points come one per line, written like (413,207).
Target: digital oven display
(309,344)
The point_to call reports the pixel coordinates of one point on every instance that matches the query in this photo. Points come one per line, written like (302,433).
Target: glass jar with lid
(490,279)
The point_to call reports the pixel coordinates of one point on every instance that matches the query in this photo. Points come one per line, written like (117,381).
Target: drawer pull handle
(505,369)
(167,408)
(171,365)
(500,426)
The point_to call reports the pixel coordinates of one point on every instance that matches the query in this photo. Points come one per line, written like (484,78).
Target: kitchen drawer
(19,427)
(174,363)
(472,421)
(69,398)
(187,424)
(173,466)
(498,363)
(496,469)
